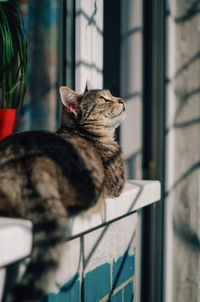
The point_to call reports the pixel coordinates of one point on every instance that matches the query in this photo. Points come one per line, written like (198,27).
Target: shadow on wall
(183,156)
(190,13)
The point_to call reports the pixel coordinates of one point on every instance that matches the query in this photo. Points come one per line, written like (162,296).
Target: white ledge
(15,239)
(136,195)
(16,234)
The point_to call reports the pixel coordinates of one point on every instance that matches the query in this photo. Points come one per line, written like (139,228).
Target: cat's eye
(103,99)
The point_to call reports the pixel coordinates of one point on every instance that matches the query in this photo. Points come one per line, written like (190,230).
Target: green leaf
(13,55)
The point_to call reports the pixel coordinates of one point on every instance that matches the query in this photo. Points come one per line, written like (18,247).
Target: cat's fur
(47,176)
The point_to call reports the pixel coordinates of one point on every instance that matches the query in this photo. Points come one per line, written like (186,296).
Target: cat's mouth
(124,108)
(117,119)
(122,111)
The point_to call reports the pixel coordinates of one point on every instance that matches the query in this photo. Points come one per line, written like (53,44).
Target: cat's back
(49,160)
(43,152)
(63,149)
(29,141)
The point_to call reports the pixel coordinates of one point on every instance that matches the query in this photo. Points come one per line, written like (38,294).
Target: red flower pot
(7,122)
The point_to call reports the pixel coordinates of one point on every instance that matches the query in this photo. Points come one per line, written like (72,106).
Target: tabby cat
(46,177)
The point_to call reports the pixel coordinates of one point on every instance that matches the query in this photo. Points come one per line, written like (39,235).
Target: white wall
(89,43)
(182,225)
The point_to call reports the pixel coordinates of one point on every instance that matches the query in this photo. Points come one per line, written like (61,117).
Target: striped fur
(46,177)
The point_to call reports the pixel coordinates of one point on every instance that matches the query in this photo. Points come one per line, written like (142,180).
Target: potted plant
(13,64)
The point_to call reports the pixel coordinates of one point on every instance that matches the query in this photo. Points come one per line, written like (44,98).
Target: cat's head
(94,110)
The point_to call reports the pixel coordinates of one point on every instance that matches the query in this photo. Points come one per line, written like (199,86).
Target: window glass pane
(40,108)
(131,85)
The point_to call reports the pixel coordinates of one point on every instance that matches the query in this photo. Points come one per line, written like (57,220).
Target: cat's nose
(121,101)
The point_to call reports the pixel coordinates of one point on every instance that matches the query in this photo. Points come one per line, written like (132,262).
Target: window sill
(16,234)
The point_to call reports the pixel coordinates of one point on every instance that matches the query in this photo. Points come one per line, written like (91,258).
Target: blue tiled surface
(117,297)
(128,292)
(69,292)
(123,269)
(96,283)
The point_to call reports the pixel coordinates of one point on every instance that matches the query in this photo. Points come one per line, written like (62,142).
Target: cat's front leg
(114,174)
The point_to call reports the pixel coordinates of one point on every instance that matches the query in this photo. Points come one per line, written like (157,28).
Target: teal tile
(69,292)
(96,284)
(128,292)
(117,297)
(123,269)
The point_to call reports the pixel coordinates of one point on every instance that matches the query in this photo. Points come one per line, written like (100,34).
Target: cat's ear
(70,99)
(88,86)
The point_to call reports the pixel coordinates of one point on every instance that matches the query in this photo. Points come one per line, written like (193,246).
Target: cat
(47,177)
